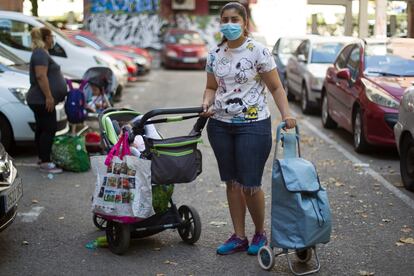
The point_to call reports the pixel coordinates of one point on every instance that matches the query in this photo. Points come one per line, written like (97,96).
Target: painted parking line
(406,199)
(32,215)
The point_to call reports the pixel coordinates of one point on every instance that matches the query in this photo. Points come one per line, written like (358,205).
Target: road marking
(406,199)
(32,215)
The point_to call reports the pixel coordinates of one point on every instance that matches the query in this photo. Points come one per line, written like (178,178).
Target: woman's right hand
(50,104)
(207,110)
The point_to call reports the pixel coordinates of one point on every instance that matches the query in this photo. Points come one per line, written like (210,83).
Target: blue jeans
(241,150)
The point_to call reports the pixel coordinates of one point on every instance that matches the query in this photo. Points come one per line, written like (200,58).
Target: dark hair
(39,37)
(241,10)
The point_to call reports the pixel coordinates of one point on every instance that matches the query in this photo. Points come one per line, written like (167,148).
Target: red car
(183,49)
(363,89)
(140,57)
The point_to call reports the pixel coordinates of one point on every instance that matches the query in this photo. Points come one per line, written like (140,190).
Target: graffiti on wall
(145,30)
(127,6)
(141,30)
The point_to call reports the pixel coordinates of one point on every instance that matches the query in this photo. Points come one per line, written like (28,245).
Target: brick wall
(11,5)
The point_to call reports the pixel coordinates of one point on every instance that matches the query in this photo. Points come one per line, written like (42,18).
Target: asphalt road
(371,211)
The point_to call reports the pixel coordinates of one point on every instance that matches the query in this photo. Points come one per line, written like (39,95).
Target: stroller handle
(167,111)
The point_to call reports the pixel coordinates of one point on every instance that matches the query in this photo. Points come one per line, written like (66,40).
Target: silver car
(404,138)
(306,68)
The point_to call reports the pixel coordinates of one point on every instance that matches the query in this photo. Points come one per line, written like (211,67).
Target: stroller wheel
(304,255)
(118,236)
(190,228)
(99,222)
(266,258)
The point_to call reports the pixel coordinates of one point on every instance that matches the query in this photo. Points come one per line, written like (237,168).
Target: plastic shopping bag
(123,188)
(69,153)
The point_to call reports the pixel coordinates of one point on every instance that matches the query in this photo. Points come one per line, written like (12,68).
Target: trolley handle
(279,136)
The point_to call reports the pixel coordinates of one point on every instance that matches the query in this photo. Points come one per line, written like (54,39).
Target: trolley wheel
(304,255)
(99,222)
(266,258)
(118,236)
(190,228)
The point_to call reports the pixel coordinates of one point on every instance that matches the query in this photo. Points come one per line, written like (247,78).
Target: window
(325,52)
(343,56)
(15,34)
(353,62)
(57,51)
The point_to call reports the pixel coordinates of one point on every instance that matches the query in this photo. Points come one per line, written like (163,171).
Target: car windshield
(184,38)
(9,59)
(288,46)
(325,52)
(389,60)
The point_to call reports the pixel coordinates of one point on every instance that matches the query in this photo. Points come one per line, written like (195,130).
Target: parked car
(282,51)
(306,69)
(183,49)
(74,60)
(137,64)
(363,89)
(404,138)
(11,189)
(17,122)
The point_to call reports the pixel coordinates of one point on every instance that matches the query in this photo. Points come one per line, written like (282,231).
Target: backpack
(75,103)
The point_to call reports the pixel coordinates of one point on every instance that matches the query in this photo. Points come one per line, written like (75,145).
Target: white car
(74,60)
(306,68)
(404,138)
(17,122)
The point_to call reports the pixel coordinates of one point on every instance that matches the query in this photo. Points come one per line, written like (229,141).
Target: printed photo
(131,181)
(117,168)
(109,196)
(124,168)
(125,197)
(109,168)
(132,172)
(119,183)
(105,179)
(118,198)
(112,181)
(125,183)
(131,196)
(101,192)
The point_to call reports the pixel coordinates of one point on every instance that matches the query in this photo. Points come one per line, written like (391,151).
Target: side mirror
(302,58)
(344,74)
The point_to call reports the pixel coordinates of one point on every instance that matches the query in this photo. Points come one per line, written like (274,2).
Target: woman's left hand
(290,122)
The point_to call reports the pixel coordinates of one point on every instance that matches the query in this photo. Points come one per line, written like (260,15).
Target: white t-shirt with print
(241,94)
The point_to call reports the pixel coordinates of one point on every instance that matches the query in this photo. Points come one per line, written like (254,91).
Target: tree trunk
(34,7)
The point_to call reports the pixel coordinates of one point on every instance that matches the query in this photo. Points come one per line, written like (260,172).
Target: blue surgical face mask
(231,31)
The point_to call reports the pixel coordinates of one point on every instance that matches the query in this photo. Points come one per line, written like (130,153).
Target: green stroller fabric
(69,153)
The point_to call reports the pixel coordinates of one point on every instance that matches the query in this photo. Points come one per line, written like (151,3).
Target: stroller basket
(173,160)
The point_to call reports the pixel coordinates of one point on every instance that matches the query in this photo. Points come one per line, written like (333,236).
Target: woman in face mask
(47,88)
(239,130)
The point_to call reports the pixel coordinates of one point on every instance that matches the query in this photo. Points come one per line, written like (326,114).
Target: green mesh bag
(69,153)
(161,195)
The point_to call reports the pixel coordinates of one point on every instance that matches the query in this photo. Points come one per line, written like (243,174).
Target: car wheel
(118,94)
(304,100)
(327,120)
(360,143)
(407,162)
(6,134)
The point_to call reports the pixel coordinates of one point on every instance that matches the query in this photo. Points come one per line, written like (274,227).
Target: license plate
(190,60)
(13,194)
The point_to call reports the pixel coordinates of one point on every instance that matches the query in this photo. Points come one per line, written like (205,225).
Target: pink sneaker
(49,167)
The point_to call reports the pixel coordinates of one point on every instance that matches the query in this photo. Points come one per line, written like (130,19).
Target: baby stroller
(185,218)
(300,215)
(87,106)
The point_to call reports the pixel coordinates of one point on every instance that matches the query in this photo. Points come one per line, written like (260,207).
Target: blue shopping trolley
(300,214)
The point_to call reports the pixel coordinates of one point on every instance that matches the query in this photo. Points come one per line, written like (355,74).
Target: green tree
(35,7)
